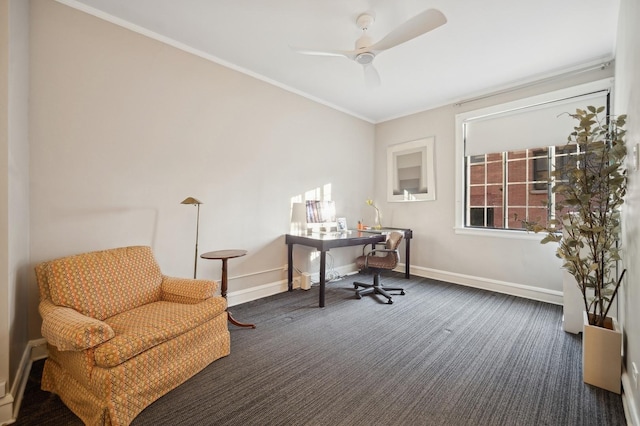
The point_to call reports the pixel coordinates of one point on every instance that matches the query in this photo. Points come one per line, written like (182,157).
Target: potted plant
(589,188)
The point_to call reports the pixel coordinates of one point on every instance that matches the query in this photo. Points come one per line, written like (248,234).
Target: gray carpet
(440,355)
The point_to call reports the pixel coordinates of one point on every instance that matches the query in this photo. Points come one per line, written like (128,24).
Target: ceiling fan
(366,50)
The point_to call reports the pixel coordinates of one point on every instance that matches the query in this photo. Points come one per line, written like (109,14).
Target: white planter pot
(602,355)
(572,304)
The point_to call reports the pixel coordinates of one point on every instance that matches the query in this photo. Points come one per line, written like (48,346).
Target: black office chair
(377,264)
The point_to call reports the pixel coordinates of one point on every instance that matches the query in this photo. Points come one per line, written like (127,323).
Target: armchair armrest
(69,330)
(187,290)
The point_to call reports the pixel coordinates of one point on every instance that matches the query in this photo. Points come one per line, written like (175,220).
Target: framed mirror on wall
(410,171)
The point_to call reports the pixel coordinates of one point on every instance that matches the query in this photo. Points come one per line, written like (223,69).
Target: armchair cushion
(124,278)
(183,290)
(69,330)
(149,325)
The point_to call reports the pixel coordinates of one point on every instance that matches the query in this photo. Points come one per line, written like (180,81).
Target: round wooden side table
(224,256)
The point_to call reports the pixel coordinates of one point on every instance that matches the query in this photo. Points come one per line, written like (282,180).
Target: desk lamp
(195,202)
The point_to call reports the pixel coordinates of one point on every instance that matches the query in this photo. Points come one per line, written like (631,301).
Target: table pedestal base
(225,255)
(238,324)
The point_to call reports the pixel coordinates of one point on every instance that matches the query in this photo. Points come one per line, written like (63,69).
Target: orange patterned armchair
(120,334)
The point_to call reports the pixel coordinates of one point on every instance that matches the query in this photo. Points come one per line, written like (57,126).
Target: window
(505,188)
(485,191)
(540,169)
(508,153)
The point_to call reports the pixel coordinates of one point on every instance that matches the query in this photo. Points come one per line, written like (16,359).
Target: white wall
(14,190)
(519,266)
(6,317)
(627,101)
(123,128)
(18,170)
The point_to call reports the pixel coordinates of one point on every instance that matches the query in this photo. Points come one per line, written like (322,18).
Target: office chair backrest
(392,243)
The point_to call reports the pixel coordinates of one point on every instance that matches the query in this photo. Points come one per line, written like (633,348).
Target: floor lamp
(195,202)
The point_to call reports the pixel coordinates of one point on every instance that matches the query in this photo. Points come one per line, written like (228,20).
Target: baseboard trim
(520,290)
(10,404)
(630,408)
(339,271)
(258,292)
(6,410)
(514,289)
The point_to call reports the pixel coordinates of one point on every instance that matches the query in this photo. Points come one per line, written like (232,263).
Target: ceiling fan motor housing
(365,58)
(364,42)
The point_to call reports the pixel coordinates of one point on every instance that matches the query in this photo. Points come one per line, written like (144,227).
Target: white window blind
(535,126)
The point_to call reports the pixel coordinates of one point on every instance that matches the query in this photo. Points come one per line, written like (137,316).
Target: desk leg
(323,265)
(290,268)
(407,255)
(223,291)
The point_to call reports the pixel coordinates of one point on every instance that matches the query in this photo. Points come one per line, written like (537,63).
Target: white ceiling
(486,45)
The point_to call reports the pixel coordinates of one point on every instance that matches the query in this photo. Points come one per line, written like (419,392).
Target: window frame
(460,167)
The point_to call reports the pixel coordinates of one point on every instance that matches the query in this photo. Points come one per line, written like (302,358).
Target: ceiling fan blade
(344,53)
(420,24)
(371,76)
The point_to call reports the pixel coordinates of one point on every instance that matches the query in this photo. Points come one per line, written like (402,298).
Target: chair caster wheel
(358,296)
(402,293)
(355,286)
(390,302)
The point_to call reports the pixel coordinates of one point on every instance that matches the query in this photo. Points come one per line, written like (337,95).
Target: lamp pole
(195,202)
(195,265)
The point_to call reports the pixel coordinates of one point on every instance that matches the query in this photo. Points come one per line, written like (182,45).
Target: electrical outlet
(296,282)
(634,371)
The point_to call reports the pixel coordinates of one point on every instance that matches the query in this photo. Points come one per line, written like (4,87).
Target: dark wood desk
(323,242)
(225,255)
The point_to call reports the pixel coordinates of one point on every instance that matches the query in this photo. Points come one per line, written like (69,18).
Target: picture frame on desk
(342,224)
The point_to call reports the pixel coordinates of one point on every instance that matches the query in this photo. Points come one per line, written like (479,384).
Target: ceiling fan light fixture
(365,58)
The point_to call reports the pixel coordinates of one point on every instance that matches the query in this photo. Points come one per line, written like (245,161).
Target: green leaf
(551,238)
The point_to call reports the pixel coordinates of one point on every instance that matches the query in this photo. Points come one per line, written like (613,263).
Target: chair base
(376,288)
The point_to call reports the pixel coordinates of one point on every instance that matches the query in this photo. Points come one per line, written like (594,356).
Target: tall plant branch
(591,186)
